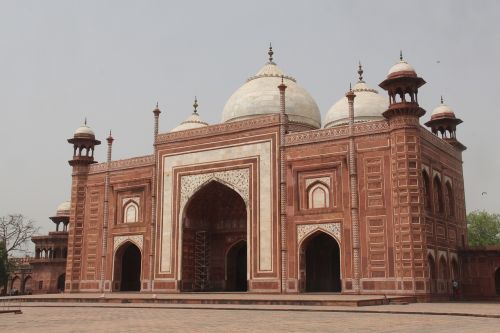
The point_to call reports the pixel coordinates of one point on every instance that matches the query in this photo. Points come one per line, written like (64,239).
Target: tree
(15,232)
(4,270)
(483,228)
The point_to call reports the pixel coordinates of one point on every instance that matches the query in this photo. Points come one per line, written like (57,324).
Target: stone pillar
(156,113)
(106,214)
(283,200)
(353,178)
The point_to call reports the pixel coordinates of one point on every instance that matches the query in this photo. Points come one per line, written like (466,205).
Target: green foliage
(483,228)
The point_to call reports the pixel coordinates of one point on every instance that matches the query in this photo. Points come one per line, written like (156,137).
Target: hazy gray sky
(110,61)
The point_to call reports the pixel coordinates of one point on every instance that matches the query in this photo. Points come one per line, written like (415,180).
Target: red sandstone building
(268,201)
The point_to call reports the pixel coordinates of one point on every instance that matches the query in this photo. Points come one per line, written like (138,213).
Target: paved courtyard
(160,319)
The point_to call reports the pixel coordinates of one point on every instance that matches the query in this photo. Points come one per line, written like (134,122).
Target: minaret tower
(84,143)
(444,123)
(403,114)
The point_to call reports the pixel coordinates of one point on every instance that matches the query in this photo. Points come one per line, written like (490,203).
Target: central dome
(260,96)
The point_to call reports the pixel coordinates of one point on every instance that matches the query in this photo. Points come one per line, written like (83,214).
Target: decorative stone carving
(237,179)
(123,164)
(136,239)
(324,180)
(333,229)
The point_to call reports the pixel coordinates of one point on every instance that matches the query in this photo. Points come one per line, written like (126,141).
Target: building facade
(269,201)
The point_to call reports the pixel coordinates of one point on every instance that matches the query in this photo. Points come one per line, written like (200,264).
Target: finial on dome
(157,105)
(195,105)
(270,52)
(350,86)
(442,102)
(360,72)
(85,121)
(400,55)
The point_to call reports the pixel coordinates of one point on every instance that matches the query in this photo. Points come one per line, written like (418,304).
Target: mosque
(273,200)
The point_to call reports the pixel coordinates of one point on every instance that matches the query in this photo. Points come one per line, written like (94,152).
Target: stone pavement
(91,317)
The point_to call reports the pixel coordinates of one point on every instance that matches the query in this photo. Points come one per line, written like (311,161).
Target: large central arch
(214,219)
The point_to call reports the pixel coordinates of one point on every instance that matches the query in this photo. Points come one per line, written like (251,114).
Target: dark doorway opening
(497,281)
(129,258)
(237,267)
(60,282)
(214,218)
(322,261)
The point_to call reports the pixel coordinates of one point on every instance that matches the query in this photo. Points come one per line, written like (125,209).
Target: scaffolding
(201,261)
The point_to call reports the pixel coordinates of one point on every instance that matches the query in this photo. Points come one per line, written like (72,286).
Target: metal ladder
(201,261)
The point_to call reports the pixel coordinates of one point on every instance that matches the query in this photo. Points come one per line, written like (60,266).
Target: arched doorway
(236,267)
(28,288)
(320,264)
(497,281)
(214,218)
(60,282)
(127,272)
(431,267)
(15,286)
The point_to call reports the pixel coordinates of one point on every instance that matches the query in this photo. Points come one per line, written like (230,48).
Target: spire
(350,86)
(195,105)
(270,52)
(360,72)
(442,102)
(400,55)
(110,138)
(85,121)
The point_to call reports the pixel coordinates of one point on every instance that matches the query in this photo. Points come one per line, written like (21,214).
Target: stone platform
(219,298)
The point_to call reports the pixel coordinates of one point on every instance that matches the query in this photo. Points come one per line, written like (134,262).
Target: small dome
(63,209)
(368,105)
(260,96)
(84,131)
(401,68)
(442,110)
(193,121)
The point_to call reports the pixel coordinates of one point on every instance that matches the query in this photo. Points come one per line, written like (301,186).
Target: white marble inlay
(119,240)
(333,229)
(236,179)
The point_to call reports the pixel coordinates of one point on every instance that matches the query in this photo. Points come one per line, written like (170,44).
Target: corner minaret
(403,115)
(84,143)
(402,85)
(444,123)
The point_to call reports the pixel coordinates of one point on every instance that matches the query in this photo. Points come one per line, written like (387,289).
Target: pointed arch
(318,195)
(131,212)
(427,190)
(438,195)
(450,200)
(319,263)
(127,267)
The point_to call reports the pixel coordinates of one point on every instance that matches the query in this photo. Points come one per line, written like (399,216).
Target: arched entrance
(236,267)
(127,272)
(431,267)
(214,219)
(320,264)
(60,282)
(497,281)
(28,288)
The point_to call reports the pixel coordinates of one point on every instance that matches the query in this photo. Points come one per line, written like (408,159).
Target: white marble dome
(442,110)
(63,209)
(401,67)
(368,105)
(193,121)
(84,131)
(260,96)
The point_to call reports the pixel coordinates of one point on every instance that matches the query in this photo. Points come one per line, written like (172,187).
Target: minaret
(403,115)
(444,123)
(283,197)
(84,143)
(156,113)
(353,178)
(106,214)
